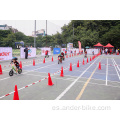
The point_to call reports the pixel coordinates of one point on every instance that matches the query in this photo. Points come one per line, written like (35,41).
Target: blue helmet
(14,58)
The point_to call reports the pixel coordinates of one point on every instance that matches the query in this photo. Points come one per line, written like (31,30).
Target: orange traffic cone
(33,62)
(90,59)
(62,75)
(44,60)
(99,67)
(52,58)
(87,60)
(1,70)
(20,65)
(83,62)
(49,80)
(16,96)
(78,64)
(70,67)
(72,54)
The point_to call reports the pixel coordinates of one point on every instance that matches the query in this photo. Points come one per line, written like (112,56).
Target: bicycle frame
(13,68)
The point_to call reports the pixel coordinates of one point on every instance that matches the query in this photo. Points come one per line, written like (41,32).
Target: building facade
(39,33)
(6,27)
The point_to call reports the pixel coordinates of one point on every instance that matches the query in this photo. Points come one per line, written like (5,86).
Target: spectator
(116,51)
(26,52)
(106,50)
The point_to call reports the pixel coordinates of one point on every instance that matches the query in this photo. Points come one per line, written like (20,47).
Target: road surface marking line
(94,83)
(116,69)
(107,71)
(117,65)
(85,85)
(67,89)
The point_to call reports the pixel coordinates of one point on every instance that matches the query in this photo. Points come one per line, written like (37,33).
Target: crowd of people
(109,51)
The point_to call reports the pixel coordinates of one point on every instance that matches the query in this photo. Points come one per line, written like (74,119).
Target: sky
(27,26)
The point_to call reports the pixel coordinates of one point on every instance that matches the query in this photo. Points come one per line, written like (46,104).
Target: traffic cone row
(70,67)
(1,70)
(78,64)
(33,62)
(99,67)
(62,75)
(44,60)
(83,62)
(87,60)
(50,83)
(20,65)
(52,58)
(90,59)
(16,96)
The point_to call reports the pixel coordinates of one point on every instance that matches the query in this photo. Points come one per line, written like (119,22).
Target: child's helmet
(14,58)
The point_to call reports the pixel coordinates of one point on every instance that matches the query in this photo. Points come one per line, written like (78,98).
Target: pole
(46,33)
(73,33)
(35,35)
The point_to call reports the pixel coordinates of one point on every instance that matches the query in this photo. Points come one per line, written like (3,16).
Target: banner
(74,50)
(5,53)
(79,45)
(70,45)
(31,52)
(56,51)
(44,49)
(63,50)
(89,51)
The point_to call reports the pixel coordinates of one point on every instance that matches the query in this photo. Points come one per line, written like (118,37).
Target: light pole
(73,33)
(35,35)
(46,33)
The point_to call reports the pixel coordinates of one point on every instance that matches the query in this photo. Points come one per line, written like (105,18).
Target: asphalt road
(82,83)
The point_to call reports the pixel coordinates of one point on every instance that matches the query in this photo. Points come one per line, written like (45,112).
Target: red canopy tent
(98,45)
(109,46)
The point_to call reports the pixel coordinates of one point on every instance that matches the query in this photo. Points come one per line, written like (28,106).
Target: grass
(17,52)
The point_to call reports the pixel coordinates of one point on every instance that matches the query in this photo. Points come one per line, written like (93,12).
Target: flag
(79,43)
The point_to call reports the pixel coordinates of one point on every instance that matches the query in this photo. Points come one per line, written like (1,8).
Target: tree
(9,41)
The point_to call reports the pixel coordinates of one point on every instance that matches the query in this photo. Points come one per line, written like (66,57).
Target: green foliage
(9,40)
(89,32)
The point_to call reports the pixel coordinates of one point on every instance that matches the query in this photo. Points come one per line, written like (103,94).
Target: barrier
(63,50)
(89,51)
(5,53)
(31,52)
(43,51)
(56,51)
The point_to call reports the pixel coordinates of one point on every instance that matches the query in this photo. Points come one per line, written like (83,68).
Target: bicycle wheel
(20,71)
(11,73)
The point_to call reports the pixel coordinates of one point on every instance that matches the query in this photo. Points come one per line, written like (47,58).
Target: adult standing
(116,51)
(106,50)
(26,52)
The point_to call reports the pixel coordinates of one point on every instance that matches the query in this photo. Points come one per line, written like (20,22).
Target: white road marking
(95,83)
(116,69)
(117,65)
(64,92)
(107,71)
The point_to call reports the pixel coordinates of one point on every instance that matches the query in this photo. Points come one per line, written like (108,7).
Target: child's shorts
(17,67)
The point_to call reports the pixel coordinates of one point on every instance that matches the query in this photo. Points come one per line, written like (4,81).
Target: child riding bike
(62,54)
(60,58)
(85,53)
(16,63)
